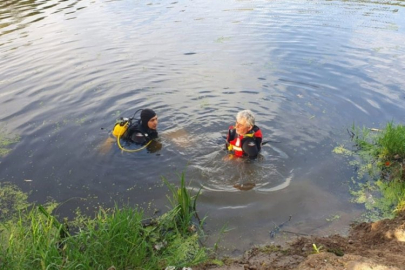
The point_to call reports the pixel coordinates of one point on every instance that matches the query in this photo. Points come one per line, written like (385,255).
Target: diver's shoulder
(255,128)
(257,131)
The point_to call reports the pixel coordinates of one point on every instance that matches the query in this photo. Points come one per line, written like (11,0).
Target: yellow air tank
(120,128)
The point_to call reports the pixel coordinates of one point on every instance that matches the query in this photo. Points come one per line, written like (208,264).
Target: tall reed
(183,201)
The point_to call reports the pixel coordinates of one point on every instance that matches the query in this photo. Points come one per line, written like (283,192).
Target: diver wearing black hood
(143,130)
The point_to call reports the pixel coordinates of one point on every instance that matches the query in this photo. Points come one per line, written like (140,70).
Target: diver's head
(245,120)
(149,119)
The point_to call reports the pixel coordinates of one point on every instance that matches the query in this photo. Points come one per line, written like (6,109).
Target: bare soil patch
(376,245)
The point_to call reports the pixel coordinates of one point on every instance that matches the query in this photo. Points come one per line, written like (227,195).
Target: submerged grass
(382,154)
(6,140)
(121,238)
(11,201)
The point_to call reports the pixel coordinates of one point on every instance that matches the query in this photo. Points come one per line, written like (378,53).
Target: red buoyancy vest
(237,140)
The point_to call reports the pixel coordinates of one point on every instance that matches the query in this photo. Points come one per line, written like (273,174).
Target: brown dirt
(378,245)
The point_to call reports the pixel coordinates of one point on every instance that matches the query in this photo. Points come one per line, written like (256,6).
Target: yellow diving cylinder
(120,128)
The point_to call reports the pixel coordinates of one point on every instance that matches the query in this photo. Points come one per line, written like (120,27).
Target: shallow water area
(307,69)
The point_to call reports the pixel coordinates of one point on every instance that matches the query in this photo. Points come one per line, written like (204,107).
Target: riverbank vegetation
(380,160)
(119,238)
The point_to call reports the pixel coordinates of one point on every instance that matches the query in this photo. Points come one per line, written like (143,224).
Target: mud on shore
(377,245)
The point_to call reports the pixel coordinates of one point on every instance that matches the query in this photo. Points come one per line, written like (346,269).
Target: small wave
(233,207)
(265,187)
(218,188)
(287,182)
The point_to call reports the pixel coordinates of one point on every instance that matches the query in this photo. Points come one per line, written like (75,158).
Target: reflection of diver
(245,139)
(154,146)
(141,132)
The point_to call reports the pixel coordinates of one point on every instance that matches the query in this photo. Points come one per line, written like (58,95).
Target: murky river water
(308,69)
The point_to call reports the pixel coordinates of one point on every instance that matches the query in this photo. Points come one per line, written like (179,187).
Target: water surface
(307,69)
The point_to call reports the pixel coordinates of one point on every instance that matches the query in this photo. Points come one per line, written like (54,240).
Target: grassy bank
(119,238)
(380,165)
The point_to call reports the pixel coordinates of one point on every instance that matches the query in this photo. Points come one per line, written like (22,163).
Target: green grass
(383,159)
(32,238)
(391,143)
(385,145)
(182,202)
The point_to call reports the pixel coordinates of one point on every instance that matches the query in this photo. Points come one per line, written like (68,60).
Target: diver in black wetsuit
(143,130)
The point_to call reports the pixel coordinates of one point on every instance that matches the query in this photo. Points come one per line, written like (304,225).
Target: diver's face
(153,122)
(242,127)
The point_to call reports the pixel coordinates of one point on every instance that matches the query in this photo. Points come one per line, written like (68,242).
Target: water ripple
(307,69)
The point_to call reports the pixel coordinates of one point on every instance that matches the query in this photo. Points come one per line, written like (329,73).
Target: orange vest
(236,141)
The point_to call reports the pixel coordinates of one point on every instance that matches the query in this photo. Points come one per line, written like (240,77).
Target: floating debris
(277,228)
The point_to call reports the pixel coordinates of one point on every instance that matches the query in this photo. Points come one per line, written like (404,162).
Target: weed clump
(382,159)
(6,140)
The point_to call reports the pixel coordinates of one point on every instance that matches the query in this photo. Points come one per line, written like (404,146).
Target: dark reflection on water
(308,70)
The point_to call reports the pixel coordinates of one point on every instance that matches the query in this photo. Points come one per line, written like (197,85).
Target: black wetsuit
(138,134)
